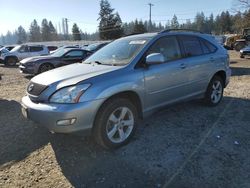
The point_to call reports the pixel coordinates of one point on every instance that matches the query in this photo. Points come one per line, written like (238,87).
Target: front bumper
(48,115)
(26,70)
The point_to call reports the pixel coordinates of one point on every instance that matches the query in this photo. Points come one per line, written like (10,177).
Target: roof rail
(136,33)
(178,30)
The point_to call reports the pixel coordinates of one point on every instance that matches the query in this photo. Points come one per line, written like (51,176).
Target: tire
(115,123)
(238,46)
(242,56)
(214,93)
(11,61)
(45,67)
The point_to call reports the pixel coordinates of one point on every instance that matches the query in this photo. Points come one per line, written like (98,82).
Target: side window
(36,48)
(74,54)
(168,47)
(207,47)
(23,49)
(191,45)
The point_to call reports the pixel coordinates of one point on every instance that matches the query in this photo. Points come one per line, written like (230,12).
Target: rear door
(199,60)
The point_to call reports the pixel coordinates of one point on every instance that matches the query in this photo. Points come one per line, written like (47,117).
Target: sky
(85,12)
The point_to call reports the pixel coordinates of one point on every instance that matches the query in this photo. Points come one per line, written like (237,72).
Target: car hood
(37,58)
(72,74)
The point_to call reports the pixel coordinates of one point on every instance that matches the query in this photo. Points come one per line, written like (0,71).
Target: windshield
(119,52)
(4,50)
(59,52)
(16,48)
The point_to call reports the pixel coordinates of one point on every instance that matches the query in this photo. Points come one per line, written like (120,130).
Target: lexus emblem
(31,87)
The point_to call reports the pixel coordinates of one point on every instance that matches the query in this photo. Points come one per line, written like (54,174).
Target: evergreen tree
(35,32)
(139,27)
(45,30)
(174,22)
(110,25)
(21,34)
(76,32)
(52,32)
(200,21)
(225,22)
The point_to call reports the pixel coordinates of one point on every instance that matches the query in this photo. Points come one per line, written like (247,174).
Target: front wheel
(214,92)
(45,67)
(11,61)
(115,123)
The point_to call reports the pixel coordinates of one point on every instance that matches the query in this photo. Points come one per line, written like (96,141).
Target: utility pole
(150,21)
(66,24)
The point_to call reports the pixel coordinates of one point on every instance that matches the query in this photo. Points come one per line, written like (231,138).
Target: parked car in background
(10,47)
(52,48)
(245,52)
(23,51)
(96,46)
(128,79)
(64,56)
(63,47)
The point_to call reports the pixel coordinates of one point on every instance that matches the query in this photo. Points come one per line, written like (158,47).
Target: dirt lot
(186,145)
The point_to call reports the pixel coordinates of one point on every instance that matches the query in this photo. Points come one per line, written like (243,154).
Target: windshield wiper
(97,62)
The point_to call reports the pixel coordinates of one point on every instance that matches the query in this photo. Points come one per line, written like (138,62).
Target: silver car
(128,80)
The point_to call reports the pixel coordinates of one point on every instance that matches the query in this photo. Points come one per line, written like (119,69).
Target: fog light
(66,122)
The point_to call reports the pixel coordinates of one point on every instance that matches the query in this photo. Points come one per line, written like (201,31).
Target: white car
(23,51)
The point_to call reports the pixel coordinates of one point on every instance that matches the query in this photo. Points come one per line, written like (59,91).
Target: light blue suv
(126,80)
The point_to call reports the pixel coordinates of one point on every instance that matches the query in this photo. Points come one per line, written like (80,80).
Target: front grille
(35,89)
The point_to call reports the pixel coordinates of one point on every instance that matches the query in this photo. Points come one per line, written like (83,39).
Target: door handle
(183,66)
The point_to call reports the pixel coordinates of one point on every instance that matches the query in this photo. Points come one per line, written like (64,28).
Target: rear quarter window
(208,47)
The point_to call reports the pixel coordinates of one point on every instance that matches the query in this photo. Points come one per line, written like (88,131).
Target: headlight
(69,94)
(30,63)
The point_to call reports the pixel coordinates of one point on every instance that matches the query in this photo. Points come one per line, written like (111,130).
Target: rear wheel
(115,123)
(45,67)
(214,92)
(11,61)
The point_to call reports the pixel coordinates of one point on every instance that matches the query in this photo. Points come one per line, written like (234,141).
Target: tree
(200,21)
(76,32)
(110,25)
(225,22)
(21,34)
(174,22)
(52,32)
(45,30)
(139,27)
(35,32)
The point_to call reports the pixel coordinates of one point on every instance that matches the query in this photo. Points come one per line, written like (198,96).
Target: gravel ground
(183,146)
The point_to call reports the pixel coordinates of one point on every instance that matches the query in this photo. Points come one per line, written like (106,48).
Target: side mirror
(155,58)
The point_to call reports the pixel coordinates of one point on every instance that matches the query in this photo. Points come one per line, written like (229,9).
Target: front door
(165,82)
(74,56)
(23,52)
